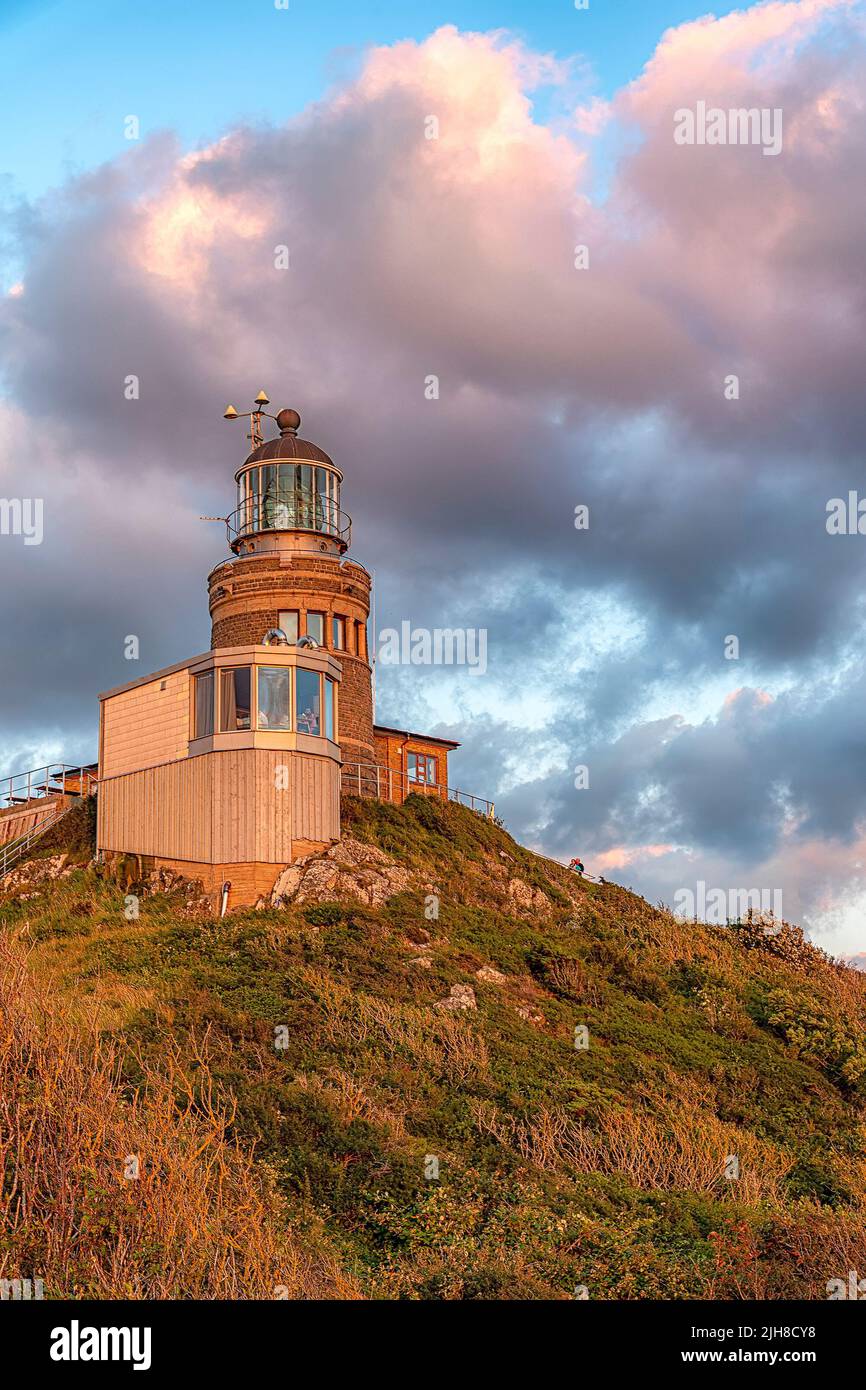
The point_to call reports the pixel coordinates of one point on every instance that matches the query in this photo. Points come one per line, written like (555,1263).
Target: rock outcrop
(35,873)
(349,870)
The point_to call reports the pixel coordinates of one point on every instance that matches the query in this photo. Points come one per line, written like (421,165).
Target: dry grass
(198,1222)
(446,1043)
(684,1148)
(353,1101)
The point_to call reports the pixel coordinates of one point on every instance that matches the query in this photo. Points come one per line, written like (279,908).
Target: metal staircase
(62,785)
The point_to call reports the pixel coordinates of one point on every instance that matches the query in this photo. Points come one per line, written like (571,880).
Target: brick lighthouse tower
(290,537)
(230,765)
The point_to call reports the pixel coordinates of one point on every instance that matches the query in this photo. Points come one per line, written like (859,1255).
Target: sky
(693,378)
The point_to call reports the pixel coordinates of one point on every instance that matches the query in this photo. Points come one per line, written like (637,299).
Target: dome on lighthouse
(288,446)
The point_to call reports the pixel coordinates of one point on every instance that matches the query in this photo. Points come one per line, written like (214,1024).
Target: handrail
(294,512)
(64,781)
(568,869)
(68,779)
(387,784)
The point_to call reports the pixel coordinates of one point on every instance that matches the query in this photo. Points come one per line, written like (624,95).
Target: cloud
(454,256)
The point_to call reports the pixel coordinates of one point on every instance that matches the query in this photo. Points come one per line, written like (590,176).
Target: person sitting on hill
(577,866)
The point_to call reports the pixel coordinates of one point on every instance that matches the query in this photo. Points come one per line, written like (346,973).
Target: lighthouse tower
(230,765)
(290,570)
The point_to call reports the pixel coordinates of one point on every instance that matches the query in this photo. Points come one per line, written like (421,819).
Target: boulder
(461,997)
(493,977)
(348,870)
(34,872)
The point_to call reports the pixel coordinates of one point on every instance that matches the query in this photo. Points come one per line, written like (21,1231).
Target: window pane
(274,697)
(255,508)
(288,621)
(339,634)
(307,701)
(316,627)
(235,699)
(421,767)
(204,705)
(305,496)
(329,708)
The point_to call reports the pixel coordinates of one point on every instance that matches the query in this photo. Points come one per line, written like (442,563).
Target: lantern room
(288,487)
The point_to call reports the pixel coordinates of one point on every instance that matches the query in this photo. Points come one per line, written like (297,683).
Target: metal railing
(30,791)
(294,512)
(15,850)
(386,784)
(558,864)
(54,779)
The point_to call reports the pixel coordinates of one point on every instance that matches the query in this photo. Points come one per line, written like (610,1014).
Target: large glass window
(288,622)
(338,634)
(307,720)
(329,708)
(305,495)
(422,768)
(235,706)
(204,705)
(274,697)
(316,627)
(278,513)
(282,496)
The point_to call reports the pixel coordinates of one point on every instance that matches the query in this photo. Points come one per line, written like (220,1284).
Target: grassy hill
(287,1082)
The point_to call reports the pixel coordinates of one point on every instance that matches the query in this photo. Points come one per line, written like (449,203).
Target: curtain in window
(204,705)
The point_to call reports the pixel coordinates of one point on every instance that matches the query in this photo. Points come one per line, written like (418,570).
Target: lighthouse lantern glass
(282,497)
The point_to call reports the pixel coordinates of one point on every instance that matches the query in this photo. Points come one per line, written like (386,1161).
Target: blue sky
(73,71)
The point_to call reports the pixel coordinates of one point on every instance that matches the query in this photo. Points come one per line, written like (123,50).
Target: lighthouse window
(235,707)
(204,705)
(305,497)
(322,513)
(307,701)
(288,622)
(274,697)
(276,502)
(329,708)
(422,768)
(339,634)
(316,627)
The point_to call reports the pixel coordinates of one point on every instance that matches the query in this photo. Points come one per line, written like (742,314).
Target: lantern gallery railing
(387,784)
(289,511)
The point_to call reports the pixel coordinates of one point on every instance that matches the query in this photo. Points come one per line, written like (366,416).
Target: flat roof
(422,738)
(154,676)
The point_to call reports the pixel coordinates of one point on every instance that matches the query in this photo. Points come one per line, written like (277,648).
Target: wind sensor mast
(255,436)
(255,417)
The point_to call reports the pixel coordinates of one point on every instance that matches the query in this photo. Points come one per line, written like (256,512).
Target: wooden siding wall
(222,808)
(146,726)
